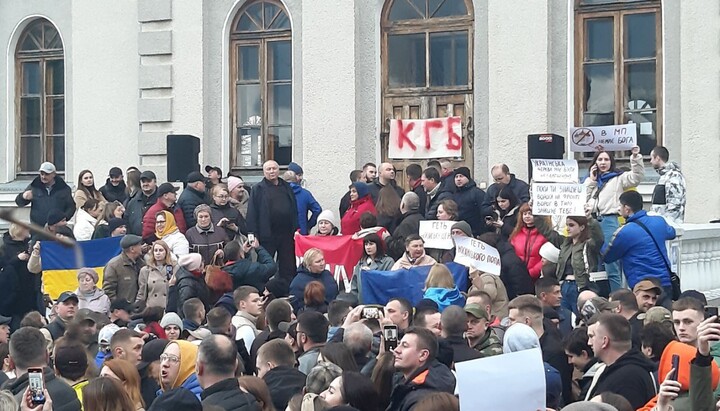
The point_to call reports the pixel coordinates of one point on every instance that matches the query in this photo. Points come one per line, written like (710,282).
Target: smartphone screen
(251,238)
(675,365)
(36,382)
(390,334)
(710,311)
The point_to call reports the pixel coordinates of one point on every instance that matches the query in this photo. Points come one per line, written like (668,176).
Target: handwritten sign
(436,234)
(429,138)
(476,254)
(555,171)
(558,199)
(610,138)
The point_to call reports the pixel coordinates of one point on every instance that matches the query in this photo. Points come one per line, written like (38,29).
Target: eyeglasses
(170,358)
(222,197)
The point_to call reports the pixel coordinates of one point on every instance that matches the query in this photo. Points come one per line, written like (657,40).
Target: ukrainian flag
(60,263)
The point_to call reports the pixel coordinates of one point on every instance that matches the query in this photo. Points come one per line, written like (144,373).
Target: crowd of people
(204,308)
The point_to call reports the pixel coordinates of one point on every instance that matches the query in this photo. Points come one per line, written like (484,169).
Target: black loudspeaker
(545,146)
(183,152)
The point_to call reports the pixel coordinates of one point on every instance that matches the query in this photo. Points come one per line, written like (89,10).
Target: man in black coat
(501,175)
(454,325)
(414,176)
(272,216)
(140,202)
(469,198)
(45,193)
(276,366)
(215,368)
(435,192)
(409,224)
(386,175)
(513,271)
(192,196)
(114,188)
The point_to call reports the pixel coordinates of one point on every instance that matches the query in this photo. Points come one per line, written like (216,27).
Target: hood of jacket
(632,357)
(687,355)
(445,297)
(296,188)
(437,377)
(670,166)
(226,302)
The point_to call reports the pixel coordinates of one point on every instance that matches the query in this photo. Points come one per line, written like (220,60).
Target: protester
(275,361)
(120,276)
(140,201)
(527,240)
(86,190)
(70,364)
(312,329)
(224,215)
(20,287)
(385,177)
(205,238)
(440,287)
(126,373)
(435,192)
(547,290)
(582,358)
(326,224)
(172,326)
(312,269)
(114,188)
(469,198)
(369,172)
(256,387)
(306,203)
(355,176)
(189,281)
(86,219)
(106,394)
(687,314)
(168,232)
(399,311)
(388,207)
(513,272)
(89,295)
(177,367)
(249,307)
(113,210)
(668,197)
(414,255)
(480,336)
(374,258)
(628,308)
(192,196)
(66,307)
(353,389)
(155,276)
(45,193)
(216,365)
(166,201)
(239,196)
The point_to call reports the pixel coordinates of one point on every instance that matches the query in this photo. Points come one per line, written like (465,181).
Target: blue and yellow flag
(60,263)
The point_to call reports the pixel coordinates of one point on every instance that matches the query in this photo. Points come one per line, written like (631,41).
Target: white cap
(327,215)
(106,333)
(47,168)
(549,252)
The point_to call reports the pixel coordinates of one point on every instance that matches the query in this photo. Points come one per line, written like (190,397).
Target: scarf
(607,177)
(170,226)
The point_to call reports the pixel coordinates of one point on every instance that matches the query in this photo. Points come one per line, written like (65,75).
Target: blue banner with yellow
(60,263)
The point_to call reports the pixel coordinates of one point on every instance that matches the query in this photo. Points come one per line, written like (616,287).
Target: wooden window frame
(261,39)
(617,11)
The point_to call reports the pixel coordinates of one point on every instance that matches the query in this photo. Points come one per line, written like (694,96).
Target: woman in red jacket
(360,202)
(527,240)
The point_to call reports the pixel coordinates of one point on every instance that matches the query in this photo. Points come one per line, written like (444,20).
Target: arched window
(427,59)
(40,85)
(261,95)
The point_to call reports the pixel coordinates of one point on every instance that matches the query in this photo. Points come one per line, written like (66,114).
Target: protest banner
(558,199)
(476,254)
(554,171)
(610,138)
(342,253)
(436,234)
(378,287)
(428,138)
(513,381)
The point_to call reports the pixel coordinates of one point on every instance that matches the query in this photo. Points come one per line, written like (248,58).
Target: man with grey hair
(358,337)
(502,177)
(215,368)
(409,224)
(306,203)
(454,325)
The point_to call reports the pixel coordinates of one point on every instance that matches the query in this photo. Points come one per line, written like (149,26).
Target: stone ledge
(154,110)
(154,43)
(152,77)
(154,10)
(152,143)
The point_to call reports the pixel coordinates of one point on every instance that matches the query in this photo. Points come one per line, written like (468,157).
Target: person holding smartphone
(604,185)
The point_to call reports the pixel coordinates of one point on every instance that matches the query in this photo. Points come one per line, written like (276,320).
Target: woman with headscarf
(177,367)
(360,202)
(89,295)
(206,239)
(167,231)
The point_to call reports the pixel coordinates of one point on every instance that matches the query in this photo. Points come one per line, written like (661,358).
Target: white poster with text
(428,138)
(554,171)
(558,199)
(610,138)
(476,254)
(436,234)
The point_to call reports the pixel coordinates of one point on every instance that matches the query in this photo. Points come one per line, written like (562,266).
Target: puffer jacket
(177,243)
(84,225)
(114,193)
(252,273)
(606,200)
(350,222)
(576,253)
(527,243)
(58,198)
(97,301)
(233,215)
(513,272)
(433,377)
(303,277)
(306,203)
(189,199)
(135,208)
(469,199)
(20,288)
(188,285)
(445,297)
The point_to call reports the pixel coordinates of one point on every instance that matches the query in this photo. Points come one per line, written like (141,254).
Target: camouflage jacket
(668,198)
(489,345)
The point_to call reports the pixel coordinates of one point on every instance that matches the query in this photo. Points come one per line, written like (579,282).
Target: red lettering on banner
(454,140)
(403,136)
(438,123)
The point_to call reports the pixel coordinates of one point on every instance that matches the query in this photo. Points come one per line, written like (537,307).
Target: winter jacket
(493,285)
(404,262)
(97,301)
(383,263)
(206,242)
(102,230)
(227,395)
(120,278)
(409,224)
(575,254)
(513,272)
(305,203)
(177,243)
(350,222)
(63,396)
(509,220)
(252,273)
(445,297)
(489,344)
(233,215)
(519,187)
(303,277)
(148,221)
(434,198)
(135,208)
(469,199)
(375,187)
(604,198)
(641,258)
(80,198)
(189,199)
(20,289)
(259,218)
(668,197)
(631,376)
(527,243)
(59,197)
(283,382)
(242,204)
(114,193)
(433,377)
(84,225)
(461,350)
(189,285)
(153,285)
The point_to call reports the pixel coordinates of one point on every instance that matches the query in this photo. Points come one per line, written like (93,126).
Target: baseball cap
(147,175)
(477,311)
(67,295)
(151,352)
(106,333)
(115,172)
(194,177)
(288,327)
(166,188)
(120,304)
(47,168)
(211,168)
(646,285)
(655,315)
(200,333)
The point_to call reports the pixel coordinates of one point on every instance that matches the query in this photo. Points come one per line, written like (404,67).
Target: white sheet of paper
(514,381)
(476,254)
(436,234)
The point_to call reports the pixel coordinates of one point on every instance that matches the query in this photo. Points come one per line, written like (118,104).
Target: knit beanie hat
(88,271)
(464,227)
(589,406)
(295,168)
(464,171)
(549,252)
(114,223)
(233,183)
(190,262)
(327,215)
(361,188)
(171,319)
(520,337)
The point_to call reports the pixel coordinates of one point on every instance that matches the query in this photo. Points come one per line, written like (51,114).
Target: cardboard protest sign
(554,171)
(558,199)
(513,381)
(476,254)
(341,254)
(610,138)
(429,138)
(436,234)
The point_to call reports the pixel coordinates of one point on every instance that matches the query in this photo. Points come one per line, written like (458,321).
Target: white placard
(476,254)
(610,138)
(428,138)
(558,199)
(554,171)
(436,234)
(513,381)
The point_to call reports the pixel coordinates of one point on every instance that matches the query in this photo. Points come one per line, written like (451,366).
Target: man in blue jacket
(305,202)
(641,253)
